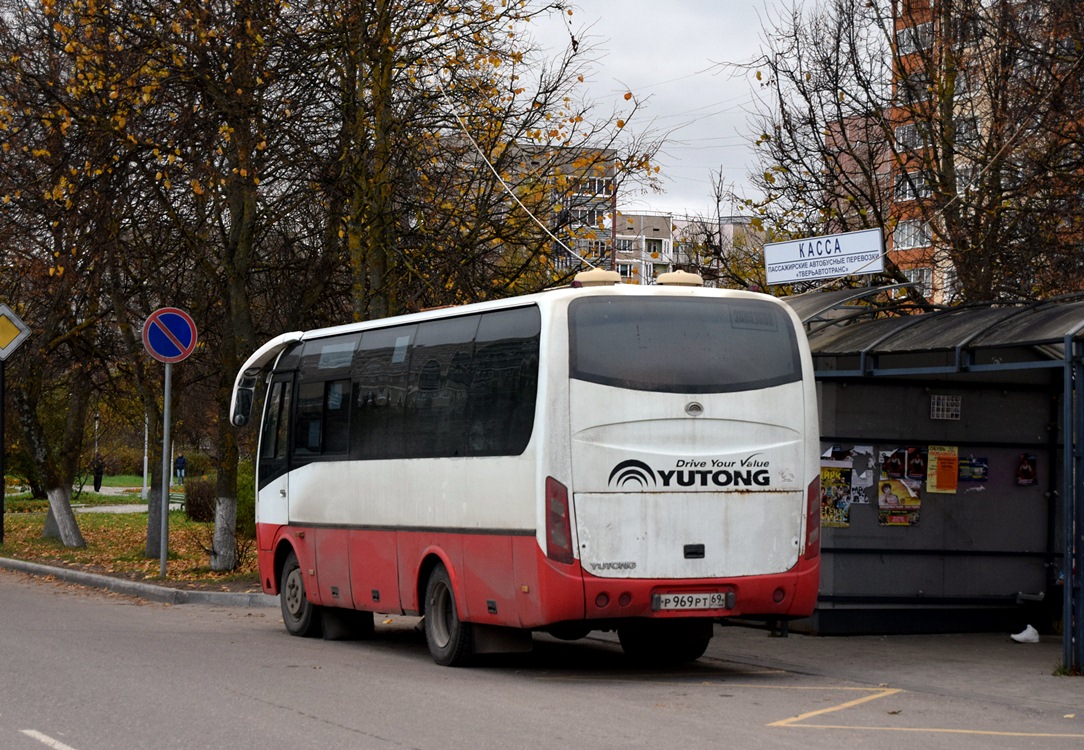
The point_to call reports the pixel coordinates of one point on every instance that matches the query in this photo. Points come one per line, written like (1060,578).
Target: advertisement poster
(835,494)
(1027,470)
(898,502)
(893,463)
(944,469)
(916,463)
(974,469)
(862,474)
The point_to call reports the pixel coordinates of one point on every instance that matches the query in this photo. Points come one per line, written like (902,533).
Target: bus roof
(266,354)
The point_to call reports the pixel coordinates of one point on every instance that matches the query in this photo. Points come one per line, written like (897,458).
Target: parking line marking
(842,706)
(936,730)
(794,722)
(798,722)
(46,739)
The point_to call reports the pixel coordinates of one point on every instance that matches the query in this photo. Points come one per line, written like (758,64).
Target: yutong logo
(748,472)
(612,565)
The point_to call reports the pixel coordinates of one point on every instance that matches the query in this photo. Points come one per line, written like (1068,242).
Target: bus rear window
(682,345)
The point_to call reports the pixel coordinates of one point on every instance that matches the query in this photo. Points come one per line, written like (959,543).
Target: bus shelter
(952,465)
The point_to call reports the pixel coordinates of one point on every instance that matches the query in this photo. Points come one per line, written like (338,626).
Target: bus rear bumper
(781,595)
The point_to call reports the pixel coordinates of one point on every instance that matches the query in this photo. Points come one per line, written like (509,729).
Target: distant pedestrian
(179,466)
(99,471)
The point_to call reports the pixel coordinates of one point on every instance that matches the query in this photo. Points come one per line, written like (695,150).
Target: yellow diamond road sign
(12,331)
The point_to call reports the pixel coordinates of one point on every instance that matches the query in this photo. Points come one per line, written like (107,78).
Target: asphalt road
(86,669)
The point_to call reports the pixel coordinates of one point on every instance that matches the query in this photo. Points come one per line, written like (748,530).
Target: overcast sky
(668,55)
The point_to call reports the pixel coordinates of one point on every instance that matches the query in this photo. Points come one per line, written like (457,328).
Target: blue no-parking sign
(169,335)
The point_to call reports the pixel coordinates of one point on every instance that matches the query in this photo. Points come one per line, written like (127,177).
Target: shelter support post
(1073,508)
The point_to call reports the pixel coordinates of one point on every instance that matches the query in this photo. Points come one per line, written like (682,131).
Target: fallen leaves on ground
(116,543)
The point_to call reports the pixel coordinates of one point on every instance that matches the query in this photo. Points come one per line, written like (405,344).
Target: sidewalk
(135,502)
(141,589)
(122,507)
(987,667)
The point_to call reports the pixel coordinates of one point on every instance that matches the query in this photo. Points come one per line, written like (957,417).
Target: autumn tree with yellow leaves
(266,167)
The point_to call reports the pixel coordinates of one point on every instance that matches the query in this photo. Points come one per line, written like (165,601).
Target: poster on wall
(898,502)
(916,463)
(973,469)
(893,463)
(944,469)
(1027,470)
(835,494)
(862,472)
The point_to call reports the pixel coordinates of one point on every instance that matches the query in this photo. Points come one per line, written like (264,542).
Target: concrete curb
(142,590)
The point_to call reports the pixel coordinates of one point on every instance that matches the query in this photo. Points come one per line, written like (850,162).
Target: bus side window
(380,372)
(274,443)
(323,418)
(501,405)
(273,439)
(439,368)
(336,416)
(322,411)
(310,412)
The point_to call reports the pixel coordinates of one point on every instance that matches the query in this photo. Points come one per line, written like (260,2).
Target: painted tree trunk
(60,523)
(224,554)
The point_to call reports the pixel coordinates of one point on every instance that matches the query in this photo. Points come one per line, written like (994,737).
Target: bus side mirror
(241,408)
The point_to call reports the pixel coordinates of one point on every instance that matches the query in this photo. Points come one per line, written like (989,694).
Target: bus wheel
(298,613)
(451,641)
(665,643)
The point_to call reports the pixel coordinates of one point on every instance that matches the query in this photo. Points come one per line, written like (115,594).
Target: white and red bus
(601,457)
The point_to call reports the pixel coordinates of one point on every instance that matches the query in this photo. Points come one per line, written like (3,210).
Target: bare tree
(63,175)
(445,133)
(955,127)
(266,165)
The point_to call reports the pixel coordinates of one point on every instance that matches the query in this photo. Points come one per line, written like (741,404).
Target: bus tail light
(558,523)
(813,519)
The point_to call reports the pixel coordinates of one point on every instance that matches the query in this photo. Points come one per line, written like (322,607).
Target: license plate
(714,600)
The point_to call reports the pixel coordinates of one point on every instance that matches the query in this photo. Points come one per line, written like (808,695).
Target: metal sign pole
(164,543)
(169,335)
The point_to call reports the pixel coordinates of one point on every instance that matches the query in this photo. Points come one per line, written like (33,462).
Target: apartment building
(911,242)
(585,189)
(985,118)
(644,244)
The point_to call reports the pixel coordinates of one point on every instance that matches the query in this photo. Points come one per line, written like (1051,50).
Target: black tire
(664,643)
(450,640)
(301,617)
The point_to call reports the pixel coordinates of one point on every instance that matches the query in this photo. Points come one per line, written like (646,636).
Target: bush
(124,460)
(200,500)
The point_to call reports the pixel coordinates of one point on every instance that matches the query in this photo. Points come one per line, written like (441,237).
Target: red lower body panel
(504,579)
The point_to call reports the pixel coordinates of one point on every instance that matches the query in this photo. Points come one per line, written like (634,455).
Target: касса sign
(825,257)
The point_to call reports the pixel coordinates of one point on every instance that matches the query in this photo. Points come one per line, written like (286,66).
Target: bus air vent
(680,278)
(596,277)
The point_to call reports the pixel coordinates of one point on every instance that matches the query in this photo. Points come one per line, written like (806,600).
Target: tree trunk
(153,549)
(60,523)
(57,471)
(224,554)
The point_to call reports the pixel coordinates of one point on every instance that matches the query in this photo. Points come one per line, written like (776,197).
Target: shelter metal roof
(836,327)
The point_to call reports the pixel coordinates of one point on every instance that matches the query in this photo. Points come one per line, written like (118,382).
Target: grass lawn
(116,543)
